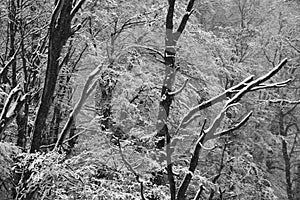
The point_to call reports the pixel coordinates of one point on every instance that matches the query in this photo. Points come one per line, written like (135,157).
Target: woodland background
(113,99)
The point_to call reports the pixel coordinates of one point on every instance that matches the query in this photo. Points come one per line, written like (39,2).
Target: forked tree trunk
(60,31)
(171,39)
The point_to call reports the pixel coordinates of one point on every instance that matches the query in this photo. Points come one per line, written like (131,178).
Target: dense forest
(150,100)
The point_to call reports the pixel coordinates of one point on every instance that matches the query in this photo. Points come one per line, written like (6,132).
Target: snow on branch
(271,73)
(9,100)
(77,7)
(228,131)
(283,101)
(185,18)
(189,117)
(210,133)
(12,106)
(238,90)
(56,11)
(272,85)
(7,64)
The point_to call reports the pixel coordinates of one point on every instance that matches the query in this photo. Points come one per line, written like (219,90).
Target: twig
(225,132)
(281,101)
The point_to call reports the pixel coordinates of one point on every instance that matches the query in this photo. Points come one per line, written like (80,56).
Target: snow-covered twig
(283,101)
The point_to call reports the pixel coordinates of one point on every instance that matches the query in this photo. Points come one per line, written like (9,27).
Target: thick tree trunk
(60,31)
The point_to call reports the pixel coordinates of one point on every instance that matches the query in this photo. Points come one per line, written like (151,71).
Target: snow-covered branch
(283,101)
(12,107)
(228,131)
(239,90)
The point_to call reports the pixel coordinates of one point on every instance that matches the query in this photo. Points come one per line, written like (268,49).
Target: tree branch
(185,18)
(293,46)
(170,14)
(56,12)
(239,91)
(180,89)
(226,132)
(12,107)
(148,48)
(219,98)
(169,151)
(198,195)
(273,85)
(209,133)
(193,164)
(13,57)
(283,101)
(77,7)
(88,88)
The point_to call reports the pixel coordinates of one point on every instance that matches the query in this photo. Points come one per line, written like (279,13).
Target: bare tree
(231,96)
(60,30)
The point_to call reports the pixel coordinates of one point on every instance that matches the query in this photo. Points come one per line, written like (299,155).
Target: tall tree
(60,30)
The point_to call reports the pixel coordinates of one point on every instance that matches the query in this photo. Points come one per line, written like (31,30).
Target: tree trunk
(297,184)
(103,99)
(20,119)
(286,157)
(163,135)
(60,31)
